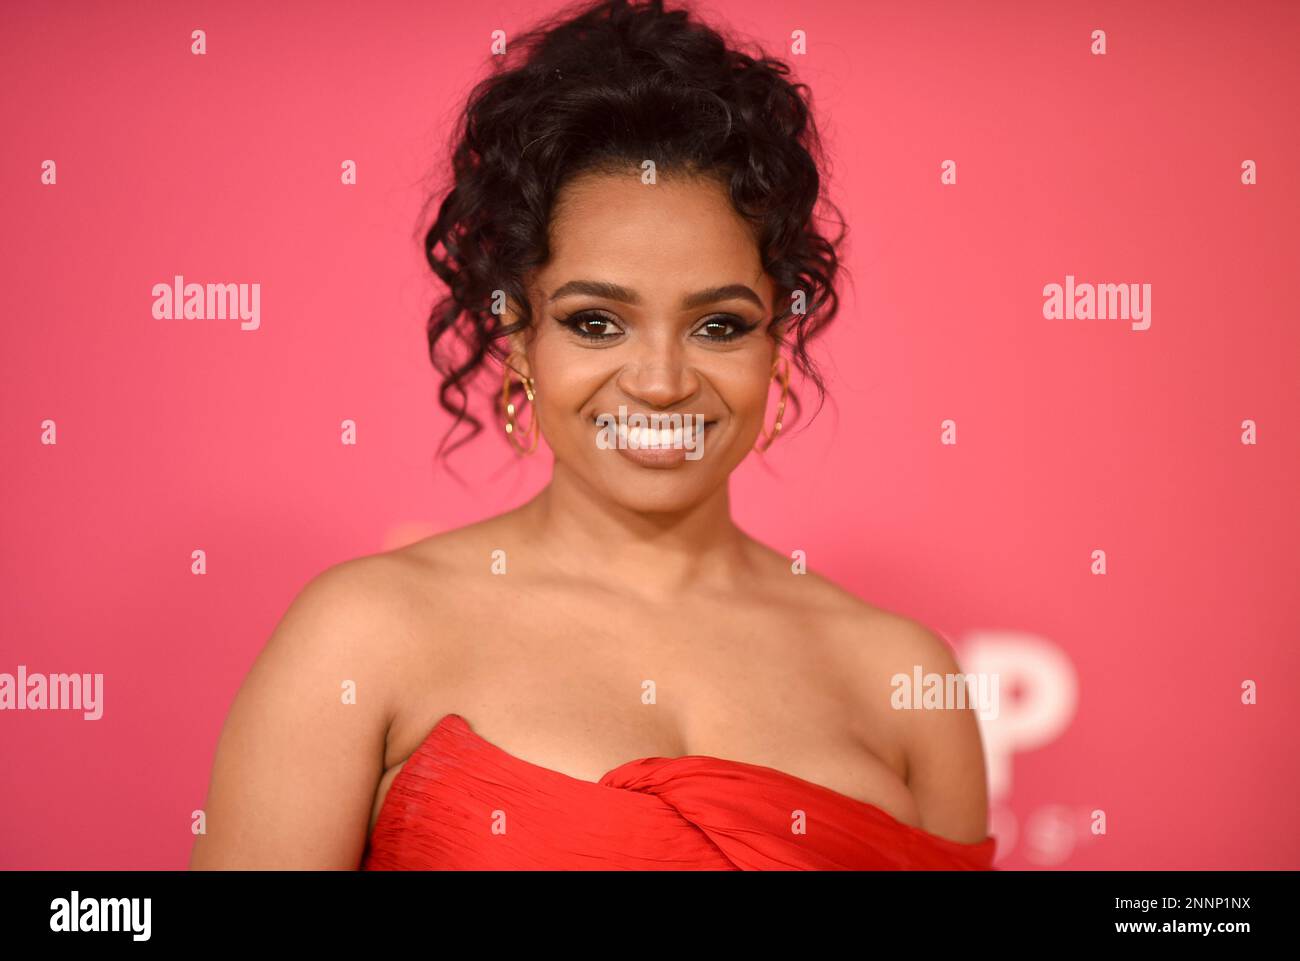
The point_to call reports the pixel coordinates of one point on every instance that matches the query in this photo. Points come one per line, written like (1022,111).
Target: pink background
(1073,435)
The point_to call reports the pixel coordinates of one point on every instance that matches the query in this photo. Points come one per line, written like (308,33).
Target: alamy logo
(951,692)
(651,432)
(181,301)
(68,915)
(53,692)
(1098,302)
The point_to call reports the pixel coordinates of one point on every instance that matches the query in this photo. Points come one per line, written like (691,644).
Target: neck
(651,554)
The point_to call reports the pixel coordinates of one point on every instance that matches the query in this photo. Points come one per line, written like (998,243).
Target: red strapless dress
(462,803)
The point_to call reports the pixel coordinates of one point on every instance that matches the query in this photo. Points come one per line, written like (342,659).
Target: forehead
(680,233)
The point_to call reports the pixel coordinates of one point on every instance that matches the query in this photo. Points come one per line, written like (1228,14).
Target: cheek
(746,392)
(565,378)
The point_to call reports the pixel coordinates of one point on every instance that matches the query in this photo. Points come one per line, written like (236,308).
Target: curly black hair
(602,88)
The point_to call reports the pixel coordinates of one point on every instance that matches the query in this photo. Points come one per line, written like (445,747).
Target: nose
(659,373)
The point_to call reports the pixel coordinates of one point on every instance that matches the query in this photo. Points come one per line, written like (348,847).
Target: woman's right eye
(592,325)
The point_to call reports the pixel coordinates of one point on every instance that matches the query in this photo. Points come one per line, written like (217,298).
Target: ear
(518,358)
(516,343)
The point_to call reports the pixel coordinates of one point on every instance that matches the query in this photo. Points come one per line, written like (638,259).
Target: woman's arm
(945,754)
(302,750)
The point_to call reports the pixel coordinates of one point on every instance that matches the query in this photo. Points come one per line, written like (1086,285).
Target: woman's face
(654,301)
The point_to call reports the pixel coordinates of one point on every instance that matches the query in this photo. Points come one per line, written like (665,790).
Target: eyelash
(575,321)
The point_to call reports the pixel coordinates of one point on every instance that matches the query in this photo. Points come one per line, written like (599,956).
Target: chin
(660,497)
(648,491)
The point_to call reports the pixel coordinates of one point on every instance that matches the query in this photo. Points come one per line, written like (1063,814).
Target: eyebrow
(599,288)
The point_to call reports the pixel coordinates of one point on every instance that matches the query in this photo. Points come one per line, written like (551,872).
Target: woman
(612,675)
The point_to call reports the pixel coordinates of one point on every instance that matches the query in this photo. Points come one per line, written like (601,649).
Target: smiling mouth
(668,438)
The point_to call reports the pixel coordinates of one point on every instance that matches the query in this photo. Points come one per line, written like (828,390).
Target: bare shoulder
(457,551)
(356,609)
(383,602)
(940,741)
(860,628)
(425,598)
(874,643)
(432,568)
(302,746)
(874,649)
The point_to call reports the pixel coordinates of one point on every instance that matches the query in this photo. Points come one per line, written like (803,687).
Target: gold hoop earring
(508,412)
(782,366)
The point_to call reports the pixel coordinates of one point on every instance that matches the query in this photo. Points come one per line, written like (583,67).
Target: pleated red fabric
(461,803)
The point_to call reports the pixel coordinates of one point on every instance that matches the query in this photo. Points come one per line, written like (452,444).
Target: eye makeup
(595,325)
(739,327)
(582,321)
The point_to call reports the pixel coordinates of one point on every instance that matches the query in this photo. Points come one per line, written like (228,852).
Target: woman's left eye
(723,328)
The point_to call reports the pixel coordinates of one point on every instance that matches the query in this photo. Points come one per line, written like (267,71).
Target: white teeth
(649,438)
(685,432)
